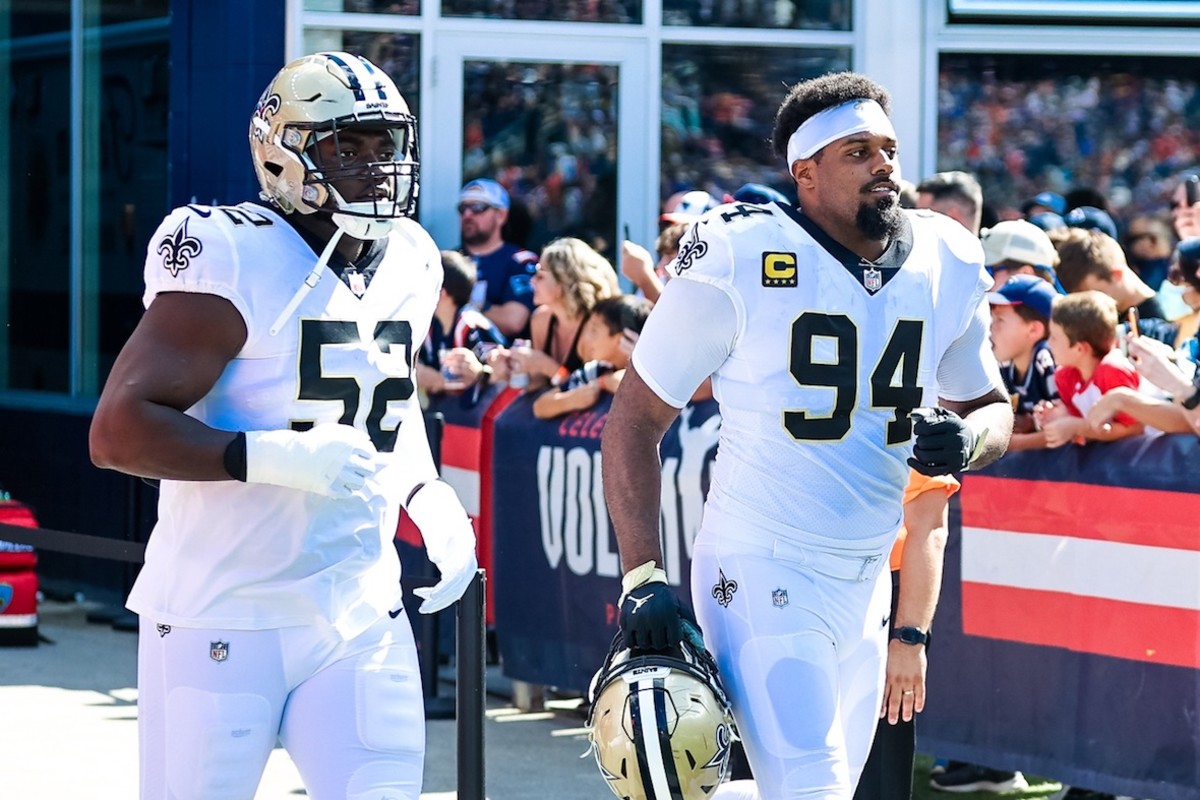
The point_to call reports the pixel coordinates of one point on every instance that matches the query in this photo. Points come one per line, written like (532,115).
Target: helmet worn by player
(323,95)
(660,723)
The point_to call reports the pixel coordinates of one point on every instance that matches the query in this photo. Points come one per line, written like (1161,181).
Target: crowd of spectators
(1126,131)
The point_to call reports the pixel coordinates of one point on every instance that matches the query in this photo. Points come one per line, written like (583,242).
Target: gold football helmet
(325,95)
(660,724)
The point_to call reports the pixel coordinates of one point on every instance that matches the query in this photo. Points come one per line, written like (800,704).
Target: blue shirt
(1037,384)
(503,276)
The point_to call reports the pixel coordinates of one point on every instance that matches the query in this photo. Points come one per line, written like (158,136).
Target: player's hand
(330,460)
(651,616)
(944,442)
(449,541)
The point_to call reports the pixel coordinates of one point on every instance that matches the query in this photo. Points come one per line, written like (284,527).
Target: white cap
(1018,240)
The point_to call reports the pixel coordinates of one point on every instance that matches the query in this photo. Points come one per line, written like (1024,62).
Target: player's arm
(971,432)
(688,335)
(990,417)
(636,424)
(174,357)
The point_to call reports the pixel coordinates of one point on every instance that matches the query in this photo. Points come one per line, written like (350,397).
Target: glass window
(121,174)
(629,11)
(35,207)
(826,15)
(718,109)
(409,8)
(398,54)
(548,133)
(1121,125)
(126,176)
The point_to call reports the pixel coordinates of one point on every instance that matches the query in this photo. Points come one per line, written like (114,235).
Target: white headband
(833,123)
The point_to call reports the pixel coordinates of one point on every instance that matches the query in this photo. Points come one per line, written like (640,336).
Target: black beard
(881,221)
(477,238)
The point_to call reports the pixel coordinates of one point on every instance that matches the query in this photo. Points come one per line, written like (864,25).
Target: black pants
(888,771)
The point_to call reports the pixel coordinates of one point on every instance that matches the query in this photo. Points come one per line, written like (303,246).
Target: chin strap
(310,282)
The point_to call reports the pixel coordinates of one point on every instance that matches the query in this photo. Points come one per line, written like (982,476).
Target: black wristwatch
(1190,403)
(908,635)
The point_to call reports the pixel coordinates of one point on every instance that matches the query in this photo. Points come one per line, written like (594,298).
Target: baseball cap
(1025,290)
(1091,218)
(756,193)
(483,190)
(1048,221)
(1017,240)
(690,207)
(1051,200)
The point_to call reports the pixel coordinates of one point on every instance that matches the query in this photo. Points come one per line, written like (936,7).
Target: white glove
(449,541)
(330,460)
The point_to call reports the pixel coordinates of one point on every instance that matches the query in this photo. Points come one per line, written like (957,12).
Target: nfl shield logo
(779,598)
(218,651)
(873,280)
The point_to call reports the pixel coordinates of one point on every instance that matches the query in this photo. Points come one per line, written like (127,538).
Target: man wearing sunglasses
(502,288)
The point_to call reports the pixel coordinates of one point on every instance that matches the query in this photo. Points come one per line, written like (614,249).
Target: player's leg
(863,663)
(887,774)
(209,704)
(764,621)
(356,727)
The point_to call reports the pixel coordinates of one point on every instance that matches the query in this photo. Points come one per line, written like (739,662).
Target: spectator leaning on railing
(569,281)
(1020,325)
(449,358)
(1088,364)
(602,346)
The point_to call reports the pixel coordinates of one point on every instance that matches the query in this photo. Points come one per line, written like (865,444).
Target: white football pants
(211,704)
(800,637)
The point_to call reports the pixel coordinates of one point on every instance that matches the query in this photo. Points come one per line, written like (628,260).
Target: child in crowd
(1020,325)
(605,359)
(1083,339)
(451,357)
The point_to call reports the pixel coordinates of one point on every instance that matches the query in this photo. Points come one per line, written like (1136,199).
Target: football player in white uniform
(269,386)
(847,339)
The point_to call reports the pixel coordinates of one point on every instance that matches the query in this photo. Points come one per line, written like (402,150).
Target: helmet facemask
(363,196)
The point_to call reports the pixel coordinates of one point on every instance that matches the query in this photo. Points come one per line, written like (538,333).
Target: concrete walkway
(69,718)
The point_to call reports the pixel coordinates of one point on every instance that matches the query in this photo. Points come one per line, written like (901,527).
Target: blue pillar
(223,53)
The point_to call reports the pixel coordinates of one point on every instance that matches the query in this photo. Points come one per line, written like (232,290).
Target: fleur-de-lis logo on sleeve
(178,249)
(724,589)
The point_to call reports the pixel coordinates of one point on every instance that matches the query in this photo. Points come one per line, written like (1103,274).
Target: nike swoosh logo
(638,602)
(396,613)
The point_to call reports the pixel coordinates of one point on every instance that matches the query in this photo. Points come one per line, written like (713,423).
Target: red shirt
(1079,396)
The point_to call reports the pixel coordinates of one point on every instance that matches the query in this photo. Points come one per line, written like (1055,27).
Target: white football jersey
(251,556)
(821,356)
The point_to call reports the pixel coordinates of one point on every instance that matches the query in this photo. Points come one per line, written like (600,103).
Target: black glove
(651,617)
(944,442)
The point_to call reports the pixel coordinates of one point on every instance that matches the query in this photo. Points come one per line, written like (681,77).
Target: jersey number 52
(900,358)
(314,385)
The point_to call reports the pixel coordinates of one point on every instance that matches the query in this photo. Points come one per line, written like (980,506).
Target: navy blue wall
(223,53)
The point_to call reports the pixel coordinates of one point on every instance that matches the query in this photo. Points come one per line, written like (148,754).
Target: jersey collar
(888,263)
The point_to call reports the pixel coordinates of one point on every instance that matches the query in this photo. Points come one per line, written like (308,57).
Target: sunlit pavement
(68,715)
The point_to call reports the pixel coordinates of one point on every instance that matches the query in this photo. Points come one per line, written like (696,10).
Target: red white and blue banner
(557,572)
(1067,638)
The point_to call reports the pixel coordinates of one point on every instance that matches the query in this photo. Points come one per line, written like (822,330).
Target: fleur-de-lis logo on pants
(178,249)
(724,589)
